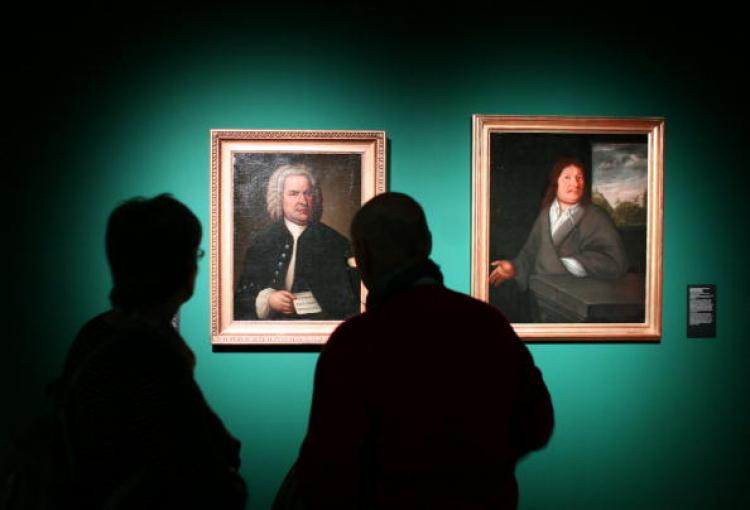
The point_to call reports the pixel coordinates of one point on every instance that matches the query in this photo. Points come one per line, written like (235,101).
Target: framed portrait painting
(567,225)
(282,269)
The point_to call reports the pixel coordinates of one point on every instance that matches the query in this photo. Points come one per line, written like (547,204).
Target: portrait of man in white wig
(297,267)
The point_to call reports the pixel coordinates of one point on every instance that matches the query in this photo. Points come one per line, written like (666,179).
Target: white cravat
(262,308)
(296,231)
(557,217)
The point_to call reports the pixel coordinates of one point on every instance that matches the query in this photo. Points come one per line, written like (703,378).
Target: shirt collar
(557,210)
(294,229)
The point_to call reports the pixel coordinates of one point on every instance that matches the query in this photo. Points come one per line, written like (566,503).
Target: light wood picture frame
(259,232)
(612,230)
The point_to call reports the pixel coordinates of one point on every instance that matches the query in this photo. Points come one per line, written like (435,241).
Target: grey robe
(592,239)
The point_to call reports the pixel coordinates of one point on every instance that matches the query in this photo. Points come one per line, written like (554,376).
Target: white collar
(557,209)
(294,229)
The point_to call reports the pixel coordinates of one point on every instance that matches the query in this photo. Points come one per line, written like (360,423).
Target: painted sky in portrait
(620,172)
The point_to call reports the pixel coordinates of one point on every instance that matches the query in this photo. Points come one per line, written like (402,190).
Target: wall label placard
(701,311)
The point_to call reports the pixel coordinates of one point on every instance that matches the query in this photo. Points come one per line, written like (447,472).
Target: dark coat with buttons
(321,267)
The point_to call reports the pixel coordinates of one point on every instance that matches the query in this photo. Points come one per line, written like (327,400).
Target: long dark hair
(561,164)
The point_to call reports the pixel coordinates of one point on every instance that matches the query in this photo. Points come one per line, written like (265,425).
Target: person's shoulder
(128,332)
(443,293)
(350,328)
(479,306)
(596,215)
(111,341)
(482,314)
(596,211)
(486,318)
(325,230)
(150,349)
(269,237)
(271,231)
(438,315)
(439,299)
(96,325)
(541,218)
(351,339)
(90,337)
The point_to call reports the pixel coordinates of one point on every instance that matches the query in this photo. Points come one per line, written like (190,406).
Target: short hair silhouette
(394,223)
(152,245)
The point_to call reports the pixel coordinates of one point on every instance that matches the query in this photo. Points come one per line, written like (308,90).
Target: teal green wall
(124,108)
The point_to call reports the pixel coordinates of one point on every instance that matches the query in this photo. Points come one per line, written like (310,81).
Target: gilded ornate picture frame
(282,272)
(567,225)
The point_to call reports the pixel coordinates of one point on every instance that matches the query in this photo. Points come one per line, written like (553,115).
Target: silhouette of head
(152,249)
(389,233)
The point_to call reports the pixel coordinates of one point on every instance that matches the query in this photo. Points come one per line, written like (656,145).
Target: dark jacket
(427,400)
(321,267)
(139,429)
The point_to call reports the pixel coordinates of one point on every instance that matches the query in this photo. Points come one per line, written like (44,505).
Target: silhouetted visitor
(139,431)
(426,400)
